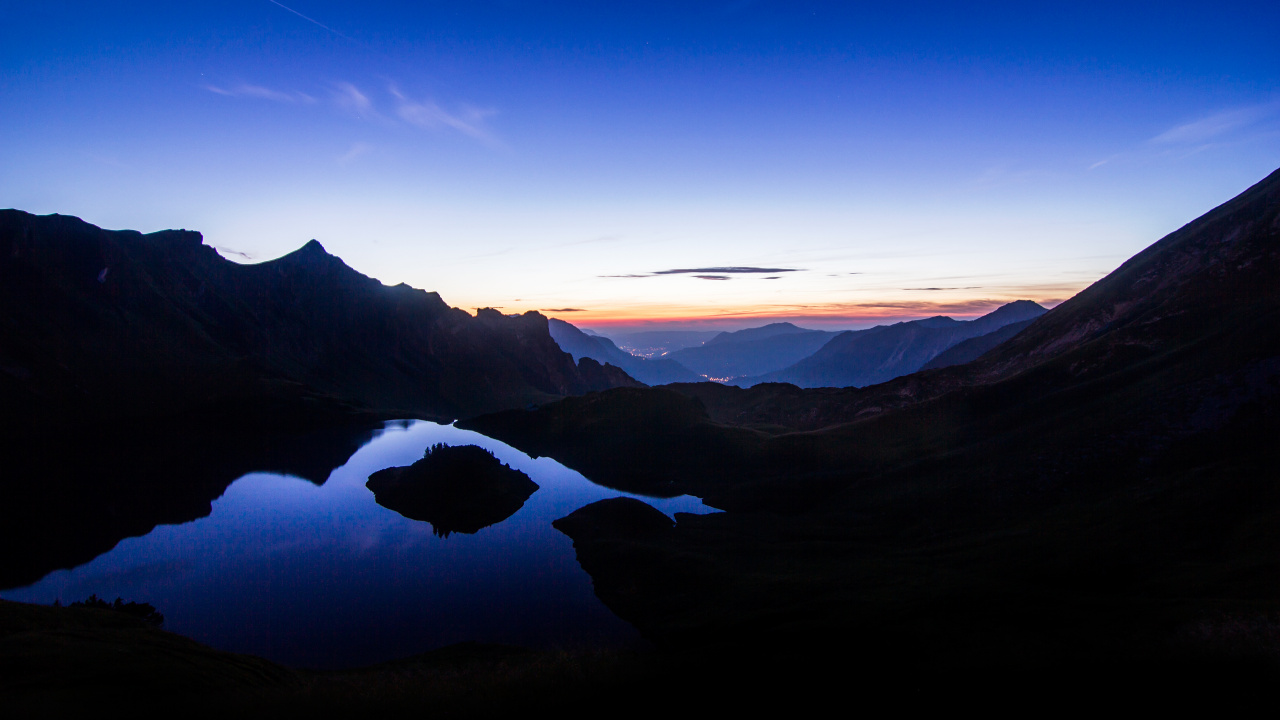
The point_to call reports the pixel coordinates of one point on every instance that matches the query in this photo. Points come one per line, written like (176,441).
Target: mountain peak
(1010,313)
(311,254)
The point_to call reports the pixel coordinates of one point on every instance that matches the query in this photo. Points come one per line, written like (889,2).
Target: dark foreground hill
(121,325)
(1097,489)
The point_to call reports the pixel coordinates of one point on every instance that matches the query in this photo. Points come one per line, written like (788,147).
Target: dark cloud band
(725,271)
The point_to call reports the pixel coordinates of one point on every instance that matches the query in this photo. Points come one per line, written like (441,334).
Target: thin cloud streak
(1213,126)
(313,22)
(358,149)
(1225,127)
(224,251)
(349,97)
(726,270)
(261,93)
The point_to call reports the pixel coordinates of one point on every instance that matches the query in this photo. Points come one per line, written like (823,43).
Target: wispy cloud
(357,149)
(562,310)
(975,287)
(469,120)
(1218,129)
(1214,126)
(349,97)
(261,93)
(712,273)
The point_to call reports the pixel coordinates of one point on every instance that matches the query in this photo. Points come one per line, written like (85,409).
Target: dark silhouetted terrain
(654,343)
(867,357)
(456,489)
(101,324)
(973,348)
(1087,508)
(754,351)
(650,371)
(1096,487)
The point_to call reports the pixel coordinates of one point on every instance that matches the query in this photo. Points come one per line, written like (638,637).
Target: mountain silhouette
(753,351)
(973,348)
(867,357)
(655,371)
(119,325)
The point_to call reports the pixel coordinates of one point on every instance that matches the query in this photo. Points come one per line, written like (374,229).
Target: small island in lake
(455,488)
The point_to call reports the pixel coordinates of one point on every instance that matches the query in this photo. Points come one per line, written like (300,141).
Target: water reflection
(322,576)
(69,498)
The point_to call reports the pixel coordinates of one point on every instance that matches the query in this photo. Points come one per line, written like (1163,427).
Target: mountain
(655,343)
(753,351)
(655,371)
(872,356)
(973,348)
(759,333)
(117,325)
(1093,494)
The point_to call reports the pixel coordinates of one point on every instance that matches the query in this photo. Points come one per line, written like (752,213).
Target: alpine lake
(321,576)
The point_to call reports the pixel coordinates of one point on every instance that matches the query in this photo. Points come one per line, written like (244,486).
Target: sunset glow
(563,158)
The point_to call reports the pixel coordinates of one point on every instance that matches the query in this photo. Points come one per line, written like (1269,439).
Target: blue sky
(899,162)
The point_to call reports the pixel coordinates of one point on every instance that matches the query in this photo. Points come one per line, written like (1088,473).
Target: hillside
(1095,489)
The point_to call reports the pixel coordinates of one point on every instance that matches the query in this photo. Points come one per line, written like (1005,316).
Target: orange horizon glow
(852,315)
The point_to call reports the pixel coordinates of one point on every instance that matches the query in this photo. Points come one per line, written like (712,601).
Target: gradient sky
(929,158)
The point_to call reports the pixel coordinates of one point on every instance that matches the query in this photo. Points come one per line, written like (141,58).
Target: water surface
(322,576)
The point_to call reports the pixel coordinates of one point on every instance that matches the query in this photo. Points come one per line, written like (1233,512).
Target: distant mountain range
(754,351)
(783,352)
(657,343)
(97,323)
(867,357)
(655,371)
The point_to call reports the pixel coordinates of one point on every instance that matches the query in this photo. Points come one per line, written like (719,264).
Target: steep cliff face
(121,324)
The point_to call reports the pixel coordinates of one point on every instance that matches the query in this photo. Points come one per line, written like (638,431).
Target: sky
(623,165)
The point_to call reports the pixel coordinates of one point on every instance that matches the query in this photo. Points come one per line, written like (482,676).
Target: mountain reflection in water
(321,576)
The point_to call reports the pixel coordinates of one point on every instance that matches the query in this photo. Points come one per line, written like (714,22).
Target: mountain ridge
(122,324)
(867,357)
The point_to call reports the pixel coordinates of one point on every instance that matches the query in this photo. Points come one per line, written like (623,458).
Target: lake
(321,576)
